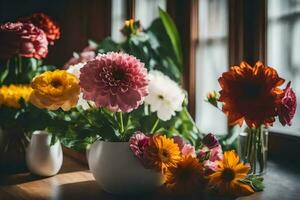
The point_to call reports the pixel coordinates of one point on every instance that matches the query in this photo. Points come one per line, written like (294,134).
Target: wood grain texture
(247,31)
(75,182)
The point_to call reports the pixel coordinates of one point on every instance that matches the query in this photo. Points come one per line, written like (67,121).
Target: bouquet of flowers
(158,48)
(119,95)
(189,171)
(253,95)
(23,45)
(113,96)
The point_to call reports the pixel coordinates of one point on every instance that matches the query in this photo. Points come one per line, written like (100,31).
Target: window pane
(118,17)
(212,60)
(147,10)
(284,47)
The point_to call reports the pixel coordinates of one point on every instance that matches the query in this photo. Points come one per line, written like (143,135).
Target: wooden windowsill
(76,182)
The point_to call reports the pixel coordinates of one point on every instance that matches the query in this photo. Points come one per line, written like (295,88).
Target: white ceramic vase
(42,158)
(118,171)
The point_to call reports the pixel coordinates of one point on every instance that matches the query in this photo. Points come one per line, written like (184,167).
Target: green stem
(20,64)
(154,126)
(121,122)
(191,119)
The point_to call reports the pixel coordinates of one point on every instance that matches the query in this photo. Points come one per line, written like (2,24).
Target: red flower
(45,23)
(250,94)
(116,81)
(24,39)
(287,108)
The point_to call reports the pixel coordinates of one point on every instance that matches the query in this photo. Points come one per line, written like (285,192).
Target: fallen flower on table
(187,177)
(227,179)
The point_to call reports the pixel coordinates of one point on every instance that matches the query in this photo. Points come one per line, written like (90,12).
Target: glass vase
(253,148)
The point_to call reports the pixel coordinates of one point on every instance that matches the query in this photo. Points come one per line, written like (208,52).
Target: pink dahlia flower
(116,81)
(24,39)
(137,143)
(287,107)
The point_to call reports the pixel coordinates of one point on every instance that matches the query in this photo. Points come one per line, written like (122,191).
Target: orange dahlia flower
(44,22)
(227,178)
(250,94)
(187,177)
(161,153)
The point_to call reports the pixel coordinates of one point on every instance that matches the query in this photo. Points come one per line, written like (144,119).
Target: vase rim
(40,132)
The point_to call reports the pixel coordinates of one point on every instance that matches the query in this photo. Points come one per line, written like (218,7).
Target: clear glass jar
(253,148)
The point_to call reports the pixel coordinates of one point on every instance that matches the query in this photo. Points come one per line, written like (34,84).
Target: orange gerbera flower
(227,178)
(250,94)
(187,177)
(161,153)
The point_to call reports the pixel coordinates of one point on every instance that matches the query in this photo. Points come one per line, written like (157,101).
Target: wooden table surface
(75,182)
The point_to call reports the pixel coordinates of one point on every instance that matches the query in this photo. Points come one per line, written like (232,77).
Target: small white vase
(118,171)
(42,158)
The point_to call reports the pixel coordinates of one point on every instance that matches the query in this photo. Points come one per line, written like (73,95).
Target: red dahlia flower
(287,107)
(45,23)
(24,39)
(116,81)
(250,94)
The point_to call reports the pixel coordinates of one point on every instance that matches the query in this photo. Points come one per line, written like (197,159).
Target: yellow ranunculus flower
(54,90)
(12,94)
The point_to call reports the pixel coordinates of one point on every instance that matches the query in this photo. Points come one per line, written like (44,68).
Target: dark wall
(79,20)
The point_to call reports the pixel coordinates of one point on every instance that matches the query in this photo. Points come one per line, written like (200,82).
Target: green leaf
(172,33)
(256,182)
(4,74)
(108,45)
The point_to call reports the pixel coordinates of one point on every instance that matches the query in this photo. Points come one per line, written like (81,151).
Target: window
(147,10)
(212,60)
(118,16)
(284,47)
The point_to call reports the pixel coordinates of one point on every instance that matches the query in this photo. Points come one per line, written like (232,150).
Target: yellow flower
(54,90)
(187,177)
(212,95)
(12,94)
(131,27)
(161,153)
(129,23)
(227,178)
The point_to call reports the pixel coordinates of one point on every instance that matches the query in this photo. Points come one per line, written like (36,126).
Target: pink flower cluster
(186,149)
(210,153)
(287,106)
(116,81)
(24,39)
(139,142)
